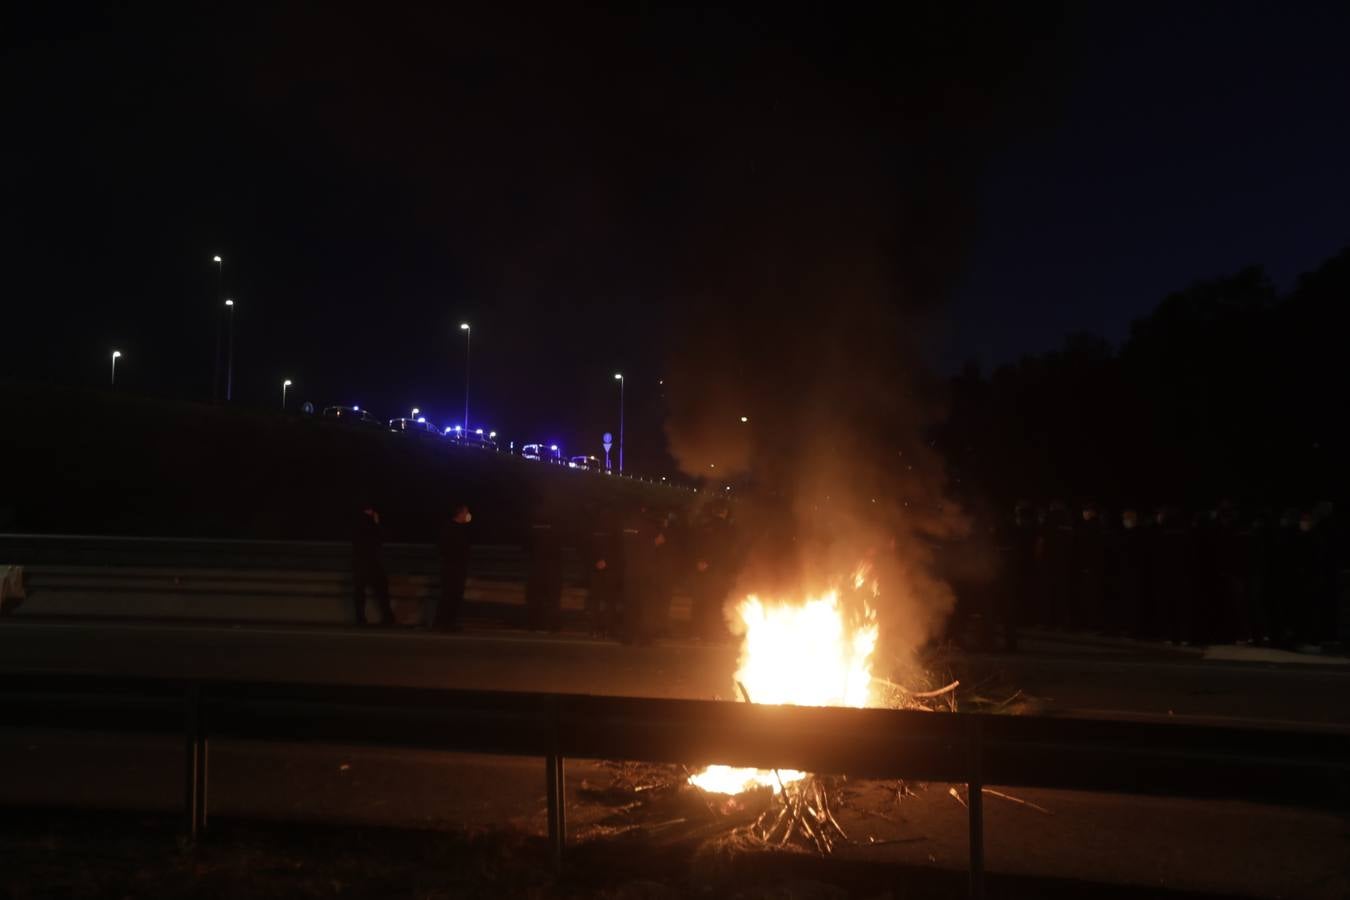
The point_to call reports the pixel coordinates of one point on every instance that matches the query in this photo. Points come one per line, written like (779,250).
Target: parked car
(418,426)
(477,437)
(541,452)
(352,415)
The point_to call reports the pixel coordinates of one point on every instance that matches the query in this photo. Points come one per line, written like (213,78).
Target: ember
(816,653)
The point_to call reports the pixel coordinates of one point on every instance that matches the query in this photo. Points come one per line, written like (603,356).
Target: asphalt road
(1227,847)
(1054,674)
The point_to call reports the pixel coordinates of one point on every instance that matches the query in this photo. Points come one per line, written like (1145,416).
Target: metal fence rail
(1304,768)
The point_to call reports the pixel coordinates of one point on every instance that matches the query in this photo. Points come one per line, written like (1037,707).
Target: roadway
(1056,675)
(1228,847)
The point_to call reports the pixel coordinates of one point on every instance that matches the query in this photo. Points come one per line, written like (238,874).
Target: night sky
(593,191)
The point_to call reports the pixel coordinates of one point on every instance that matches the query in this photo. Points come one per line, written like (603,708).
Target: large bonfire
(816,652)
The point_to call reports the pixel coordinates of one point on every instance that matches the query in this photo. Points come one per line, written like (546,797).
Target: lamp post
(220,296)
(284,385)
(115,355)
(229,353)
(468,333)
(619,377)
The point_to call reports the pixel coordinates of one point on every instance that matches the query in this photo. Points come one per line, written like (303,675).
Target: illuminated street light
(415,412)
(116,354)
(220,296)
(745,418)
(229,355)
(619,377)
(468,333)
(284,386)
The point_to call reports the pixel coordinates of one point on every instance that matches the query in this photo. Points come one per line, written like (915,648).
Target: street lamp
(618,376)
(415,412)
(115,355)
(745,419)
(284,385)
(229,354)
(464,327)
(220,295)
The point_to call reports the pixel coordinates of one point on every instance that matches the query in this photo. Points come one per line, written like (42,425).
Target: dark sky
(1194,139)
(575,183)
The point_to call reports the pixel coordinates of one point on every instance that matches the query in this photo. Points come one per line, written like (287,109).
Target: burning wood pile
(813,653)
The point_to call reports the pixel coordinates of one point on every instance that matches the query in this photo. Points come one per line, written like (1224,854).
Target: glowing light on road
(799,654)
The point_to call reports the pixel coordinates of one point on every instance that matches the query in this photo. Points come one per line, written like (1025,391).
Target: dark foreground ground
(99,856)
(335,821)
(301,821)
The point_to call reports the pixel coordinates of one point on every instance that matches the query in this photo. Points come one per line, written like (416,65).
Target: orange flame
(799,654)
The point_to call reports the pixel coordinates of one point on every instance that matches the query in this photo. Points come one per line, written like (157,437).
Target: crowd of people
(1215,576)
(633,560)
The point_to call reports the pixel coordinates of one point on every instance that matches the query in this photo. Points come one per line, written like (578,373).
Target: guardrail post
(557,809)
(193,763)
(975,801)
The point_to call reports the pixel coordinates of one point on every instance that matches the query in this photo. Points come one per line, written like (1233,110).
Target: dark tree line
(1228,390)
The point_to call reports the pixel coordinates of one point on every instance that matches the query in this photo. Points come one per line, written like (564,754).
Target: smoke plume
(815,302)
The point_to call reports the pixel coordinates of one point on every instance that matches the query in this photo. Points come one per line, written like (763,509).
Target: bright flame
(805,654)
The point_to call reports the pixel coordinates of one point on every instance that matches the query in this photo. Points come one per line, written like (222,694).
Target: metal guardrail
(1304,768)
(325,556)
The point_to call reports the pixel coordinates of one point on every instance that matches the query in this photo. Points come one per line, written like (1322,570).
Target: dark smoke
(818,295)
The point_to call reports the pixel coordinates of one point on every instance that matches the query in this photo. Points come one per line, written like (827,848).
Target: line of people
(369,576)
(634,561)
(1215,577)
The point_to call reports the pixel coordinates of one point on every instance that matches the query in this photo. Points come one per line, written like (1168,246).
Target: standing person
(1314,584)
(543,588)
(712,577)
(639,563)
(1000,589)
(1134,614)
(1057,565)
(661,584)
(604,563)
(1089,569)
(453,543)
(1170,574)
(368,566)
(1278,593)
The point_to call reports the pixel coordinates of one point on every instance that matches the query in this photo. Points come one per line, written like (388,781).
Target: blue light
(479,431)
(421,421)
(356,409)
(553,447)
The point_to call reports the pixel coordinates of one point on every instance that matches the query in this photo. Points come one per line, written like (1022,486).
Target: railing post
(203,768)
(192,781)
(557,814)
(557,797)
(975,801)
